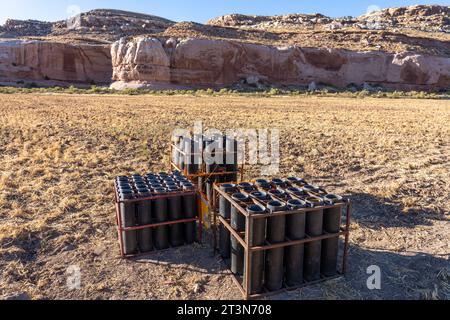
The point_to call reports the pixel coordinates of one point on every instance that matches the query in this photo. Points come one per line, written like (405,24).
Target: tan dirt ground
(59,155)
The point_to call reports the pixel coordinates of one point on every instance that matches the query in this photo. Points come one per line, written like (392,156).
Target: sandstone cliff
(429,18)
(203,62)
(399,48)
(48,61)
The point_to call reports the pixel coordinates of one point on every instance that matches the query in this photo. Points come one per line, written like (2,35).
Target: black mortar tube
(144,215)
(225,212)
(314,223)
(238,224)
(211,167)
(174,207)
(190,211)
(128,217)
(258,238)
(181,156)
(274,257)
(231,161)
(330,247)
(263,184)
(295,230)
(159,210)
(189,157)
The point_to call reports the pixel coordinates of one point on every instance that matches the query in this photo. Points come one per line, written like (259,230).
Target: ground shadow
(377,213)
(198,257)
(24,251)
(403,276)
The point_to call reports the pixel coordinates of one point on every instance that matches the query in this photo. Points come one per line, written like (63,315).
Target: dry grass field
(60,153)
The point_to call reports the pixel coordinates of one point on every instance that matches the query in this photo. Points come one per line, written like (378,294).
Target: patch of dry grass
(60,153)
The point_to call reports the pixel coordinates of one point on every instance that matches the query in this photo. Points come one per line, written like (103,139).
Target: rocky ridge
(105,24)
(401,48)
(428,18)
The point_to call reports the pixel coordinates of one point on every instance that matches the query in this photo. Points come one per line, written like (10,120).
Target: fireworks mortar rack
(286,231)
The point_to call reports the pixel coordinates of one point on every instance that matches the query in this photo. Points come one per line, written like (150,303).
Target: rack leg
(214,226)
(347,238)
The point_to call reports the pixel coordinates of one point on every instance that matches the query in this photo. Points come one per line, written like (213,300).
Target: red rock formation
(203,62)
(49,61)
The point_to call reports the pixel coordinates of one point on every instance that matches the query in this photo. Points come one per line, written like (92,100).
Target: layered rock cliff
(400,48)
(49,61)
(203,62)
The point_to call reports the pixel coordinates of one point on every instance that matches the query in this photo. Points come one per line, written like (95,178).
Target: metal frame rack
(121,229)
(249,248)
(202,173)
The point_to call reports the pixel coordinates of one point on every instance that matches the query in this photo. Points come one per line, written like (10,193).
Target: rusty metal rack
(202,175)
(121,229)
(244,282)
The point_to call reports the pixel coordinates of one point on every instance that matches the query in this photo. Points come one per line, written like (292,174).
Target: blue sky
(196,10)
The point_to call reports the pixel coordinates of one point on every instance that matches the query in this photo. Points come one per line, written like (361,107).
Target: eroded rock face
(203,62)
(48,61)
(431,18)
(144,59)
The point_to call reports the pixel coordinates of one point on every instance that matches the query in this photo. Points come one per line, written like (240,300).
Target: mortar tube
(295,230)
(189,157)
(174,207)
(259,195)
(231,161)
(128,218)
(259,235)
(296,192)
(181,158)
(300,182)
(278,193)
(310,189)
(263,184)
(144,216)
(209,189)
(274,257)
(171,185)
(140,186)
(225,212)
(210,163)
(154,187)
(238,224)
(279,183)
(122,179)
(124,187)
(159,210)
(246,186)
(221,152)
(330,247)
(210,168)
(175,153)
(292,180)
(190,211)
(313,227)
